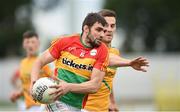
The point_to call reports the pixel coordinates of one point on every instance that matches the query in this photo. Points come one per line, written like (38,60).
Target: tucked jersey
(100,101)
(75,63)
(25,71)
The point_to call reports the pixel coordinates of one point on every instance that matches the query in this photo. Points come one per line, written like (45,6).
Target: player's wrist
(69,87)
(33,80)
(130,63)
(127,63)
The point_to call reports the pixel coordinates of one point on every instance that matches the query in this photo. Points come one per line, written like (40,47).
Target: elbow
(94,88)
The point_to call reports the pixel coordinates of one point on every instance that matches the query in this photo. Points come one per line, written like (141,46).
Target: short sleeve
(55,48)
(116,51)
(103,59)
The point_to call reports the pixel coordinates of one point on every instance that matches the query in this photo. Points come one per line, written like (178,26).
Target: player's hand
(30,90)
(15,95)
(139,64)
(61,89)
(113,108)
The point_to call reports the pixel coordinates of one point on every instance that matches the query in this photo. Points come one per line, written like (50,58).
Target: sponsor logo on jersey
(71,48)
(71,63)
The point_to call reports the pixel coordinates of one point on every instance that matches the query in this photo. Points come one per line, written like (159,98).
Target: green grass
(7,106)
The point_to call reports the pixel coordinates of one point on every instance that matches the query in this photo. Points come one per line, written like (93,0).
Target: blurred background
(149,28)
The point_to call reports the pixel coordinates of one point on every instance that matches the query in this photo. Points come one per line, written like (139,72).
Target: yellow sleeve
(115,51)
(47,72)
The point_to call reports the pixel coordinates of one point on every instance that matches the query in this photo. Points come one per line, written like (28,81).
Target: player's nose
(102,34)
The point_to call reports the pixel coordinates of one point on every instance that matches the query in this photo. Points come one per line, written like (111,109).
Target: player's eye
(105,31)
(113,25)
(99,29)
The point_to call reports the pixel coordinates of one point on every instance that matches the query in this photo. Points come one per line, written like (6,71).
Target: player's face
(31,45)
(110,29)
(96,34)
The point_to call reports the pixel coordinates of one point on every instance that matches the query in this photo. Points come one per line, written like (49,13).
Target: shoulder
(114,50)
(103,48)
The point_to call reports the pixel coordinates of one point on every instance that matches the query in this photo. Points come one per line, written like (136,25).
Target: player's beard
(93,42)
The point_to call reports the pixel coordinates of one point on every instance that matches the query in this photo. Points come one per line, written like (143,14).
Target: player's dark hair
(92,18)
(29,34)
(107,13)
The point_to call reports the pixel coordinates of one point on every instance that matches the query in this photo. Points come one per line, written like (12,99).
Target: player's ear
(86,29)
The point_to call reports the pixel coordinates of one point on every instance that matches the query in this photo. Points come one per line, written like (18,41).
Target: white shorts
(59,106)
(21,105)
(83,110)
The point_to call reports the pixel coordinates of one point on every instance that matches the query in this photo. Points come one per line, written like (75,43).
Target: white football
(41,90)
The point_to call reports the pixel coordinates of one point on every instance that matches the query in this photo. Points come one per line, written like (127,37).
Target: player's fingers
(51,93)
(138,58)
(57,96)
(54,86)
(57,91)
(142,59)
(12,98)
(143,69)
(144,64)
(140,69)
(54,92)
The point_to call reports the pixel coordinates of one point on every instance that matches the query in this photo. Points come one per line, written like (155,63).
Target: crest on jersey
(82,54)
(93,52)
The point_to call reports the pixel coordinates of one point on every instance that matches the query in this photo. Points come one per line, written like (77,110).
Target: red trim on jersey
(56,72)
(84,101)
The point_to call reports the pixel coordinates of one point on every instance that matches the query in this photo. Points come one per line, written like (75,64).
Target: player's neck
(31,55)
(108,44)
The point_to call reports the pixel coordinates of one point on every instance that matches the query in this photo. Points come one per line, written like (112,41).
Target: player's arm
(42,60)
(16,94)
(15,77)
(113,107)
(90,86)
(137,63)
(115,60)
